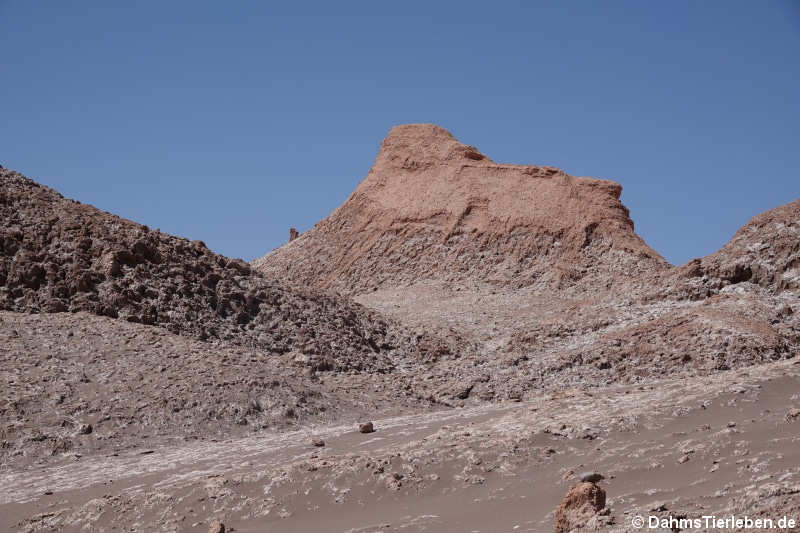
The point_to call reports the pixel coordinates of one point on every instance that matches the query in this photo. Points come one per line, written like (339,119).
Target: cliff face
(433,208)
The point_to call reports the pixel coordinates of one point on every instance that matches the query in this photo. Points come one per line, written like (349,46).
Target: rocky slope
(76,383)
(765,252)
(58,255)
(433,208)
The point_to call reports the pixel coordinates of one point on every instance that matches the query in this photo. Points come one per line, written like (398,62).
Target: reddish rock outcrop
(581,503)
(433,208)
(544,272)
(216,527)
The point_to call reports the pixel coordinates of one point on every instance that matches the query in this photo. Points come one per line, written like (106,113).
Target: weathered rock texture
(433,208)
(60,255)
(581,503)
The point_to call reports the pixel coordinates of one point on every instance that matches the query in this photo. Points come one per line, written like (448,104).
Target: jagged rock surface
(60,255)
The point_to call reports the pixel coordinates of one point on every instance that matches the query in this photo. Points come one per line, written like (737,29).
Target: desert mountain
(520,260)
(433,208)
(60,255)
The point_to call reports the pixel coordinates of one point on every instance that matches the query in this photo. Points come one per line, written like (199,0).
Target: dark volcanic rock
(591,477)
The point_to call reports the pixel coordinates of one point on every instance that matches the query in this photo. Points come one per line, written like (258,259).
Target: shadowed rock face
(433,208)
(60,255)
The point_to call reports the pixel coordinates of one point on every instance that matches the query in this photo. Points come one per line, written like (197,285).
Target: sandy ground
(684,446)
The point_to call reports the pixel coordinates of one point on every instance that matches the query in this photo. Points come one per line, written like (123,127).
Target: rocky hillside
(433,208)
(764,253)
(58,255)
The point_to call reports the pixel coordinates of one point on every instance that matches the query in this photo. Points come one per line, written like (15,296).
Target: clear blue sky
(231,121)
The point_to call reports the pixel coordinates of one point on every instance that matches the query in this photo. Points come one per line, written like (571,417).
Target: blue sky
(232,121)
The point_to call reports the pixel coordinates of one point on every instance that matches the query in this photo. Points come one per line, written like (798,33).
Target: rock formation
(581,504)
(433,208)
(544,273)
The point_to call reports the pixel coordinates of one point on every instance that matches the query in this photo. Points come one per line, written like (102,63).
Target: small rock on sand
(216,527)
(318,442)
(592,477)
(366,427)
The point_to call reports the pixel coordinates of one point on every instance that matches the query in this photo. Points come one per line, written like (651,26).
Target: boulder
(216,527)
(581,504)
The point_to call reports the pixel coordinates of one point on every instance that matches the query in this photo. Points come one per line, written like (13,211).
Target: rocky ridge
(58,255)
(765,253)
